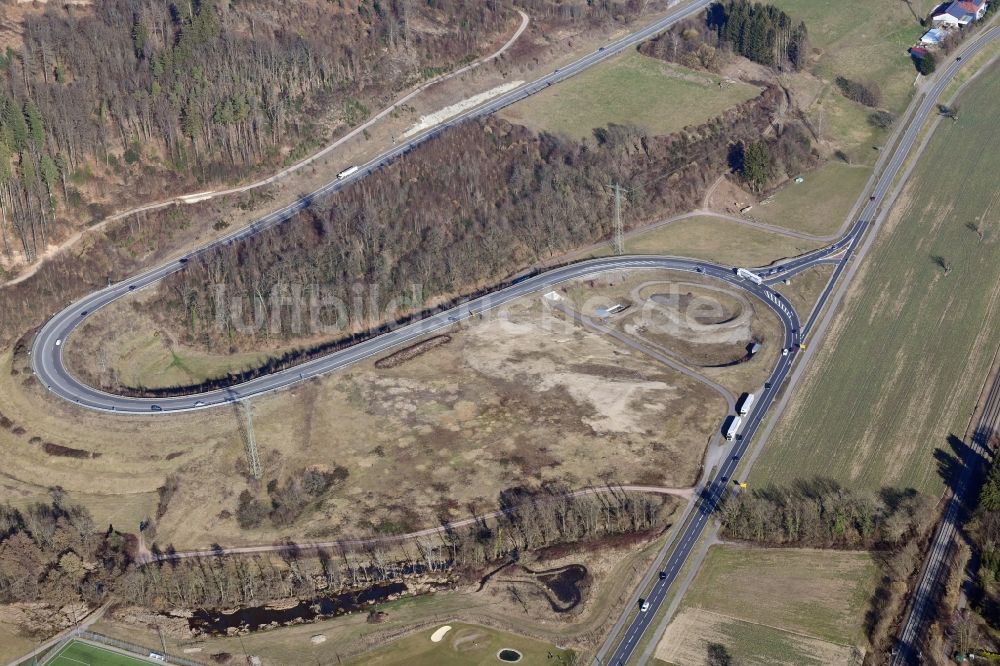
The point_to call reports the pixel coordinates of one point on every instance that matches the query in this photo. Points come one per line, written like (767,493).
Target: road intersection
(47,350)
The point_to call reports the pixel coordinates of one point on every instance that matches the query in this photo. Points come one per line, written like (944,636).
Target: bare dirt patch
(706,325)
(411,352)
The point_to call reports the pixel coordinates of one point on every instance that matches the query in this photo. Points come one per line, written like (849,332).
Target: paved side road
(635,624)
(47,359)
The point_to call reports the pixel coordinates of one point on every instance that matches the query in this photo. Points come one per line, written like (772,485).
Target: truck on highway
(744,404)
(749,275)
(347,172)
(732,426)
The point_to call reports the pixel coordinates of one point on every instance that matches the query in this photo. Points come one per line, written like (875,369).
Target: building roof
(918,51)
(961,10)
(933,36)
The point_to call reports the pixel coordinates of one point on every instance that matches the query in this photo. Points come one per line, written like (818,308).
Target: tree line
(530,521)
(821,513)
(466,209)
(200,90)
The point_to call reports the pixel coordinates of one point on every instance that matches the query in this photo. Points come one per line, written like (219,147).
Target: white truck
(346,172)
(744,404)
(732,426)
(749,275)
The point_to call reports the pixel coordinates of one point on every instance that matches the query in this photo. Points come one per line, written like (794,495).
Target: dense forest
(984,531)
(762,33)
(467,209)
(54,553)
(154,96)
(201,89)
(821,513)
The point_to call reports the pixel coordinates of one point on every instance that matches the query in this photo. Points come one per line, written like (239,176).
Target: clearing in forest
(630,89)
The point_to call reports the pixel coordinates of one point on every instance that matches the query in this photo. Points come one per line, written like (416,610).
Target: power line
(250,442)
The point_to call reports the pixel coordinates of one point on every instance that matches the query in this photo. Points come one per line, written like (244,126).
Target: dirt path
(196,197)
(684,493)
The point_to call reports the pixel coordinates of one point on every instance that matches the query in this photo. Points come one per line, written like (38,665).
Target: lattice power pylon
(250,441)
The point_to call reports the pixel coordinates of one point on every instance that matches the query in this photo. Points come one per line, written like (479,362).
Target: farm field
(629,89)
(699,237)
(453,428)
(904,363)
(820,204)
(774,606)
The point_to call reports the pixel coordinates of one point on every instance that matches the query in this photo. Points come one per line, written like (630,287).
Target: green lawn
(904,365)
(464,645)
(820,204)
(629,89)
(77,653)
(715,239)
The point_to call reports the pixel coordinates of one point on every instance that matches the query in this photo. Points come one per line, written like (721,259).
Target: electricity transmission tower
(250,441)
(619,240)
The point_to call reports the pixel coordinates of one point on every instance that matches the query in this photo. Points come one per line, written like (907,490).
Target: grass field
(508,402)
(805,288)
(699,238)
(904,364)
(820,204)
(864,40)
(464,645)
(774,606)
(77,653)
(630,89)
(689,636)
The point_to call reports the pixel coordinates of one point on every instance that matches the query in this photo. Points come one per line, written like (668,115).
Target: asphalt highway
(47,348)
(48,362)
(46,352)
(634,623)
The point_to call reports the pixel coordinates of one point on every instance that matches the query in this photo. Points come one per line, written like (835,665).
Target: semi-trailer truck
(749,275)
(744,404)
(346,172)
(732,426)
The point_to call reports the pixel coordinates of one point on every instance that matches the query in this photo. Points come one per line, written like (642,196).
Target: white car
(644,607)
(784,352)
(58,342)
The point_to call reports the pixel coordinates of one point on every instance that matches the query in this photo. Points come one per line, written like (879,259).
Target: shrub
(250,511)
(927,64)
(880,119)
(868,94)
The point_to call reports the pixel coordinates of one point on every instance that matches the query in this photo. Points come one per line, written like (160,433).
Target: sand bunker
(438,635)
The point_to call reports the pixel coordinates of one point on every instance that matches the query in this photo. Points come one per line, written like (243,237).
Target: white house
(960,14)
